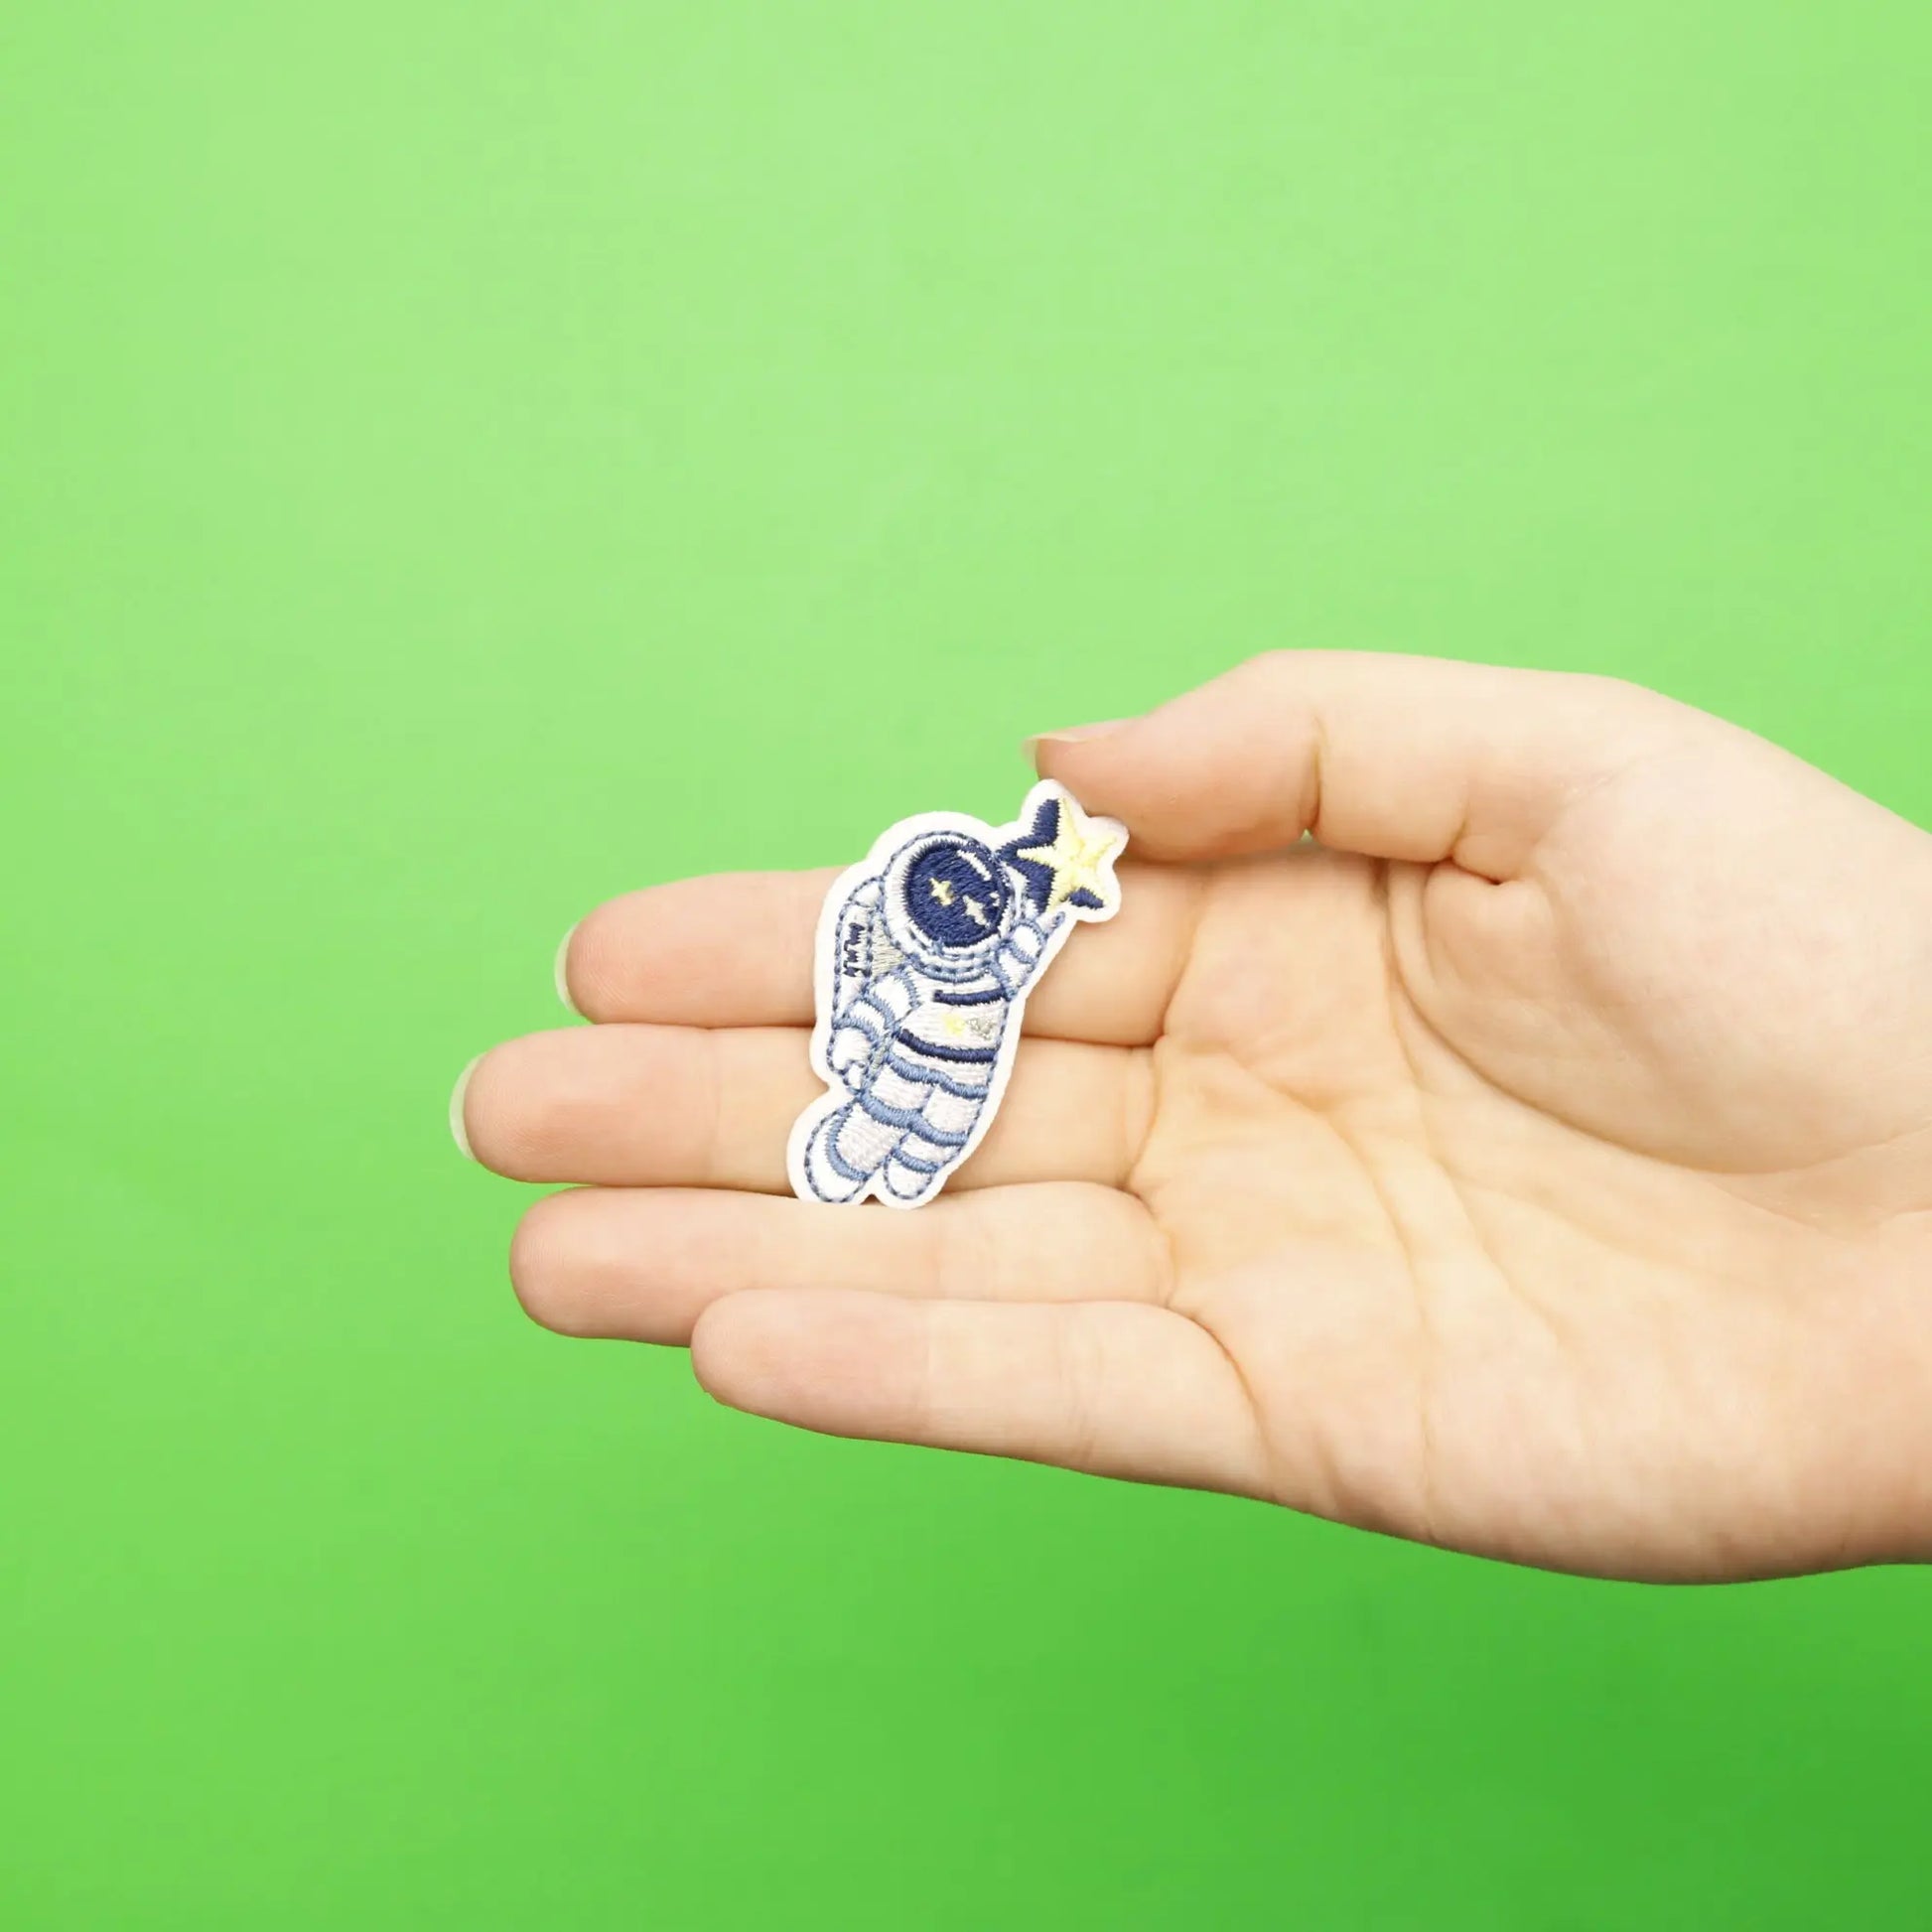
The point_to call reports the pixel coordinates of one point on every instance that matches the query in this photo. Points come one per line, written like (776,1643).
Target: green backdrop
(454,457)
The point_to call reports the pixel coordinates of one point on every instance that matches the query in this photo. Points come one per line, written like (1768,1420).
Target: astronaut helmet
(948,901)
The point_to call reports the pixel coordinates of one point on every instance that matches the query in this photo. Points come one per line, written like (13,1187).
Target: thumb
(1418,759)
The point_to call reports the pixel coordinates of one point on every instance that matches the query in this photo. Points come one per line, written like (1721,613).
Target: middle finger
(690,1107)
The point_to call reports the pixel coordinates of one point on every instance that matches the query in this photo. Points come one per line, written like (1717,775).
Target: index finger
(735,949)
(1414,759)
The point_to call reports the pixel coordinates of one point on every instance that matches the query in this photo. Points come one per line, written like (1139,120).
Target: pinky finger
(1113,1388)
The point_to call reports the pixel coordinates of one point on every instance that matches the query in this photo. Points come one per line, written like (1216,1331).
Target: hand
(1537,1161)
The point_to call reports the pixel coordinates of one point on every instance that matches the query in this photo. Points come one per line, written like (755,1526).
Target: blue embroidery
(956,919)
(911,1117)
(959,1056)
(845,1173)
(931,1076)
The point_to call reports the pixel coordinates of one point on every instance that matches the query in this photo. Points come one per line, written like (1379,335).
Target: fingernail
(563,982)
(1073,733)
(456,1132)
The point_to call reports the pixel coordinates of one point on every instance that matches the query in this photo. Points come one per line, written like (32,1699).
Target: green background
(455,458)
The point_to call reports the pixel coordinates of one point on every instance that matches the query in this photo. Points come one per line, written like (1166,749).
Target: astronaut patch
(926,952)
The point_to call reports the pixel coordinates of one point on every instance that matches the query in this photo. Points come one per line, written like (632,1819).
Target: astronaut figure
(926,952)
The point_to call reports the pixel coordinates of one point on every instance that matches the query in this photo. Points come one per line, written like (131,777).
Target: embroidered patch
(926,952)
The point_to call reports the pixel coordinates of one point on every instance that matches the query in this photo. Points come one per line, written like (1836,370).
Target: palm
(1511,1212)
(1437,1264)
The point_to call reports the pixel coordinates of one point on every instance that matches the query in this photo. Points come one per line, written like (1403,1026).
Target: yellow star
(1082,858)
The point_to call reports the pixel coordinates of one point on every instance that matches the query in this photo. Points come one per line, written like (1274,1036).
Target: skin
(1501,1116)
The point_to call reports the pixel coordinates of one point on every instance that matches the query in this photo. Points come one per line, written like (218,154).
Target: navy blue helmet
(956,892)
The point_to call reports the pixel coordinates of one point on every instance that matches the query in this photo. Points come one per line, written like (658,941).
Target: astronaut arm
(847,1054)
(1020,957)
(866,1021)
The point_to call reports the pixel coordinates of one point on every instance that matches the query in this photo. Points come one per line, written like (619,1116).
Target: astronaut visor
(956,893)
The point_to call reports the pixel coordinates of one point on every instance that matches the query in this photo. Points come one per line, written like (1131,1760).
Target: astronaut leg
(826,1171)
(912,1175)
(937,1127)
(846,1147)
